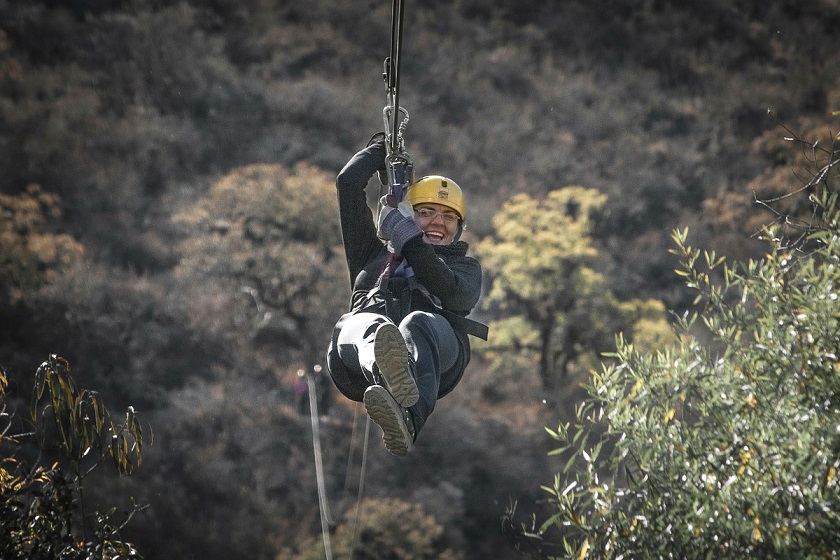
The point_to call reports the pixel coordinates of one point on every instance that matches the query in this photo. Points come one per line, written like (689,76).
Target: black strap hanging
(398,164)
(392,111)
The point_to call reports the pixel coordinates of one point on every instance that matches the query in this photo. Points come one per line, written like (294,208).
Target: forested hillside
(169,222)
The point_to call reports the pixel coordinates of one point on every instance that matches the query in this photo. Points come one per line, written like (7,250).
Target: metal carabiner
(394,141)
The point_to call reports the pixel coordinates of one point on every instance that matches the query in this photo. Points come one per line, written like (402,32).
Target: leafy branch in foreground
(42,508)
(727,443)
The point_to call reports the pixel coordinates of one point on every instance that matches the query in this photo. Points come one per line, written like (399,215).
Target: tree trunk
(545,354)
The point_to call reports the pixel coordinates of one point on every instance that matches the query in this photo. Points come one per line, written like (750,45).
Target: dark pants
(430,340)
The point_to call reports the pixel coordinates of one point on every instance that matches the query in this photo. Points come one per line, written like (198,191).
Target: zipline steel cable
(399,169)
(394,126)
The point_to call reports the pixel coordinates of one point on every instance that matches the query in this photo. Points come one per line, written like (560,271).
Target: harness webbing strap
(395,301)
(465,325)
(392,295)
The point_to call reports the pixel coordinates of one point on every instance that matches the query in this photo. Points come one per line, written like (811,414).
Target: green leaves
(80,423)
(729,440)
(554,304)
(42,508)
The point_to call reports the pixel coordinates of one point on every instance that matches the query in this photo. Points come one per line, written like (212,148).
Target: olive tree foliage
(384,528)
(726,444)
(42,506)
(553,302)
(263,262)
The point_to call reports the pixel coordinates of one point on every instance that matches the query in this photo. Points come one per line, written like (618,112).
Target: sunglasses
(430,214)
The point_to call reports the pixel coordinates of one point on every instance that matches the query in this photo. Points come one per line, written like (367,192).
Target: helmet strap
(461,226)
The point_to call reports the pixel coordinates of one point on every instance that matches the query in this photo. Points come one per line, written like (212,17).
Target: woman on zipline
(404,344)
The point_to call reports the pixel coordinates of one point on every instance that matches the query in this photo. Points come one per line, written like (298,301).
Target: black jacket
(449,280)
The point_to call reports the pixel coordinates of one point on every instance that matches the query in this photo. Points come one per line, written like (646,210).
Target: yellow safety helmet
(437,189)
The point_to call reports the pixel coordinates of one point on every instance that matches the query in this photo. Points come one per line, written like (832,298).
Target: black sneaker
(393,362)
(391,417)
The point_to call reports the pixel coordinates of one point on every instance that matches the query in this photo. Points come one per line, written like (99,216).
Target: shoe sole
(387,414)
(392,358)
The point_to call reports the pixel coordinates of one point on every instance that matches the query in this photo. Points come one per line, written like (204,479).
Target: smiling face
(438,222)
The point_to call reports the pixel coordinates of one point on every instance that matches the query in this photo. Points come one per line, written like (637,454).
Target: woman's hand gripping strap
(400,175)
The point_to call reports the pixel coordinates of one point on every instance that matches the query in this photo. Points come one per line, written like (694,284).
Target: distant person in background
(301,393)
(322,391)
(404,343)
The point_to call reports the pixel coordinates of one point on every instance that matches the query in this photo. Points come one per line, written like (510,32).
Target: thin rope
(326,517)
(350,455)
(326,520)
(361,487)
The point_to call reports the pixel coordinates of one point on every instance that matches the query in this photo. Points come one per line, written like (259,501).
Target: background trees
(34,254)
(265,243)
(544,284)
(389,527)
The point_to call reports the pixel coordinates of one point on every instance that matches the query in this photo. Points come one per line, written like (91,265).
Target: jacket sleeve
(456,282)
(357,226)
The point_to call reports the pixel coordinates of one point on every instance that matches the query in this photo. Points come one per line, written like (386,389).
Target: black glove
(376,138)
(382,173)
